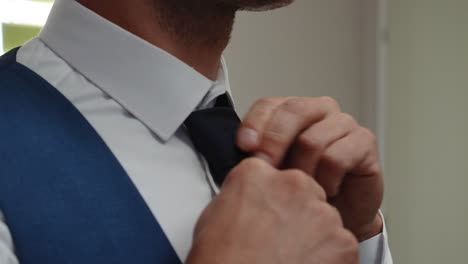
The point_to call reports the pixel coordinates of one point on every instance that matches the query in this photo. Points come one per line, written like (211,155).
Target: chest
(87,177)
(170,175)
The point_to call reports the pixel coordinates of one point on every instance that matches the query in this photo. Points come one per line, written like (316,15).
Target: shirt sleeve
(376,250)
(7,254)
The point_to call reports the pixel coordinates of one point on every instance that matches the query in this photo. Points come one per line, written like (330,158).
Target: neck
(195,33)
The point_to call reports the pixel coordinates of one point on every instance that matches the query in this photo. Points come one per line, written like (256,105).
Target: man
(119,146)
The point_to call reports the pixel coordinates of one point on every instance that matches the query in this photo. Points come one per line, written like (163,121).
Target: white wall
(311,48)
(427,144)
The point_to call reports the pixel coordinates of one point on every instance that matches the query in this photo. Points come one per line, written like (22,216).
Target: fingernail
(264,157)
(248,138)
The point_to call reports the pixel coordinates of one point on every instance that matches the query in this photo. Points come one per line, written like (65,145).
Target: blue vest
(65,197)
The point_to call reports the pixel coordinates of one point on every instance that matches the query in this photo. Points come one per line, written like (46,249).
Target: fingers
(253,170)
(342,157)
(310,145)
(312,135)
(277,124)
(248,168)
(248,137)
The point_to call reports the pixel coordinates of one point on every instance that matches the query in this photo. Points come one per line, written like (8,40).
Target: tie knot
(213,133)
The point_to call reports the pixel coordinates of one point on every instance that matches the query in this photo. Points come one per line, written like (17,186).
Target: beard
(256,5)
(205,22)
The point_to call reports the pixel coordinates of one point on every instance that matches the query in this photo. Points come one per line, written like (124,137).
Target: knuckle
(330,102)
(266,101)
(246,168)
(296,105)
(327,213)
(348,238)
(295,180)
(375,169)
(259,112)
(296,174)
(273,138)
(346,118)
(310,142)
(333,161)
(253,164)
(320,192)
(314,206)
(367,133)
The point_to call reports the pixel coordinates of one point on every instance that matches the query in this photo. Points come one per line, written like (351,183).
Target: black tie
(213,133)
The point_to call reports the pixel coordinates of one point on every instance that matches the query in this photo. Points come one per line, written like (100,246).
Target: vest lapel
(65,196)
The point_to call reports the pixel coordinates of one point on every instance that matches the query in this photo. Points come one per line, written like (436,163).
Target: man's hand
(264,216)
(313,135)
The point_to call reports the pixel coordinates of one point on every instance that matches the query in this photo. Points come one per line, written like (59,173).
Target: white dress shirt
(137,96)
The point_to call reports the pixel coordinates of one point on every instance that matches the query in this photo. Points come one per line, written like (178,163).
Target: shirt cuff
(376,250)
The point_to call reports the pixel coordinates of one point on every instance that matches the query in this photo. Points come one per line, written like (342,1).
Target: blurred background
(399,66)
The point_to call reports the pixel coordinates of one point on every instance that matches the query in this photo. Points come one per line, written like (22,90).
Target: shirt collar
(154,86)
